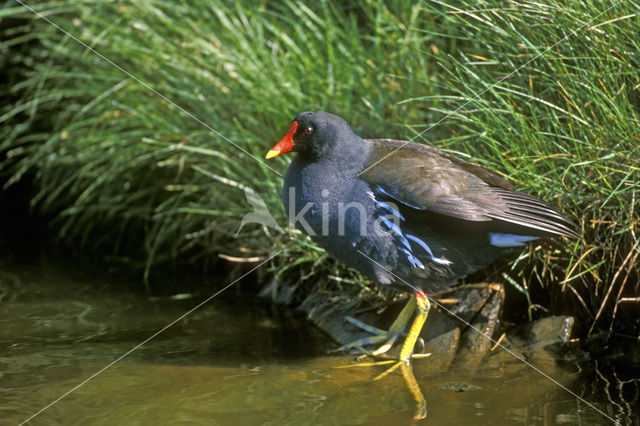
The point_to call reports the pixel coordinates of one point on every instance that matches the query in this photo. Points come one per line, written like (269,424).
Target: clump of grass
(152,178)
(565,126)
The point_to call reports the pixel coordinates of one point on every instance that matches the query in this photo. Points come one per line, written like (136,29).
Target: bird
(404,214)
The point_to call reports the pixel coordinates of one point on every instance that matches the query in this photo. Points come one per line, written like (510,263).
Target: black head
(316,134)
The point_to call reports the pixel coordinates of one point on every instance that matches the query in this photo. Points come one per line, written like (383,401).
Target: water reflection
(234,361)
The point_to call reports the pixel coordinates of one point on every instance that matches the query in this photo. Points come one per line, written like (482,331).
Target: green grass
(147,181)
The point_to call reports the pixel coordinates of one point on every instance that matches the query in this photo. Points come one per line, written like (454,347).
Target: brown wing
(426,178)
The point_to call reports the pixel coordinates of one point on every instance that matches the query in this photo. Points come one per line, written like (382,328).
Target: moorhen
(402,213)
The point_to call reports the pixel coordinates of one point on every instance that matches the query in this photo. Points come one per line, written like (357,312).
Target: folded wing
(438,182)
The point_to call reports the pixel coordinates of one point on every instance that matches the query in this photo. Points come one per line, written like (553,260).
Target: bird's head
(316,134)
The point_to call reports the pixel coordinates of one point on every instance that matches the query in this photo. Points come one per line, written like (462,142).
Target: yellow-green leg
(388,337)
(423,306)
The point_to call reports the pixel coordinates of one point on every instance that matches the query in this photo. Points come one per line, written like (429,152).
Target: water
(239,360)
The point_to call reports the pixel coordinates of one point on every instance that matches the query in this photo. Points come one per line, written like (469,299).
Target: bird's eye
(308,130)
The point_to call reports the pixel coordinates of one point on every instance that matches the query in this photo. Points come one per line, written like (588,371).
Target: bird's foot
(395,364)
(421,305)
(385,338)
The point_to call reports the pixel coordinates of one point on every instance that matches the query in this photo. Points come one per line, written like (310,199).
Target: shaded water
(236,360)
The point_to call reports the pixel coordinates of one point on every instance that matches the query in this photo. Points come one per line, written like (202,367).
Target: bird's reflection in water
(416,392)
(407,375)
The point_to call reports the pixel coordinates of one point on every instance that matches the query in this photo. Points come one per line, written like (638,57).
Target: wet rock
(479,308)
(458,387)
(543,342)
(443,346)
(550,334)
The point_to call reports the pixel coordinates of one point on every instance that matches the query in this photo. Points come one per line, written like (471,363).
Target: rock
(549,334)
(458,387)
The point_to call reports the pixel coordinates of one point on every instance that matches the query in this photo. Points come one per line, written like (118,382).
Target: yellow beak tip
(272,154)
